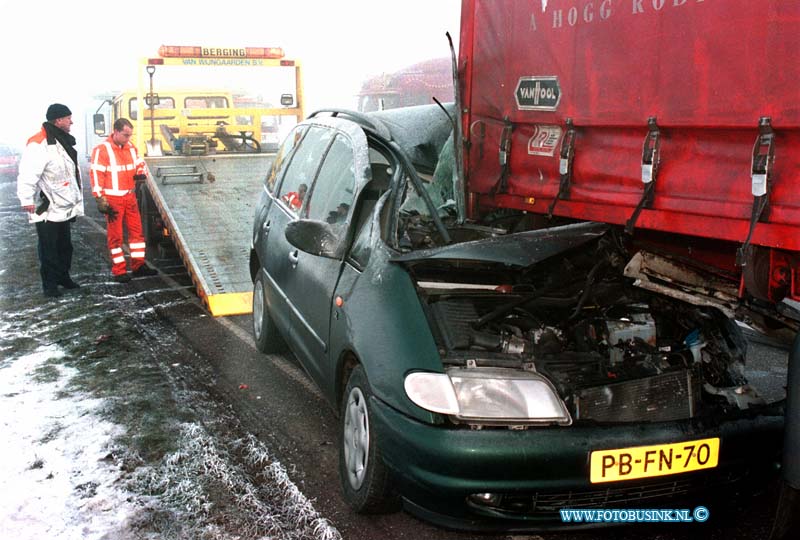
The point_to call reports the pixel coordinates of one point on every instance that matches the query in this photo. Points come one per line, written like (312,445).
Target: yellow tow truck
(208,148)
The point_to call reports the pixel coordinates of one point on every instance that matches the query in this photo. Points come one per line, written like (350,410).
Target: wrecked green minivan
(487,375)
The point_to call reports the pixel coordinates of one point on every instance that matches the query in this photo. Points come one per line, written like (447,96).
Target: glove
(104,208)
(140,174)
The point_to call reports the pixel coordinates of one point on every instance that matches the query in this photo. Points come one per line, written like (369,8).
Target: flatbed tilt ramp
(207,204)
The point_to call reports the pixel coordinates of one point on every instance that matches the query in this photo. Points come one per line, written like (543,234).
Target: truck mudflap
(787,519)
(670,115)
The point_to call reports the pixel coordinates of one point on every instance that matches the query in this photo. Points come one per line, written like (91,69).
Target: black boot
(144,271)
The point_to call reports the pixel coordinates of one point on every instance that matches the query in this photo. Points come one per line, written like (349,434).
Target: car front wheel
(267,337)
(366,481)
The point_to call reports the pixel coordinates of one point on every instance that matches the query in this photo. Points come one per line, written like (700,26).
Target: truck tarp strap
(761,169)
(505,153)
(564,167)
(650,161)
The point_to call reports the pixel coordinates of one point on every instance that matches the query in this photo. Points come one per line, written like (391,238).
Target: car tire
(267,337)
(366,481)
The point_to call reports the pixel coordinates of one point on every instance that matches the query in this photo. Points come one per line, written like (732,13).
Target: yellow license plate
(656,460)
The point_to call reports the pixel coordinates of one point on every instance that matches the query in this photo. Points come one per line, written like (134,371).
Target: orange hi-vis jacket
(113,167)
(293,199)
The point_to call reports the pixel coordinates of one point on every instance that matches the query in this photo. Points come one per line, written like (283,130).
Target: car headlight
(488,396)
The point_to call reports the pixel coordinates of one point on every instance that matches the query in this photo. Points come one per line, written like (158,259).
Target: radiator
(668,396)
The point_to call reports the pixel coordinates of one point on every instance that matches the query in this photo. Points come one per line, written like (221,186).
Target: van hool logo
(538,93)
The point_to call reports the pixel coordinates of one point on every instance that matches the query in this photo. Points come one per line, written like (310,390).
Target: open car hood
(519,249)
(646,270)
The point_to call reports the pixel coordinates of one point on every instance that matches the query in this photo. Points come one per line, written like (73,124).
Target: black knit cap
(56,111)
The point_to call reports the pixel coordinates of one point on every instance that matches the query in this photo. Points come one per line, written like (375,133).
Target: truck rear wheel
(151,220)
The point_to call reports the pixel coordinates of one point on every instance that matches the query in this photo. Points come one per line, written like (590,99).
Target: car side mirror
(315,237)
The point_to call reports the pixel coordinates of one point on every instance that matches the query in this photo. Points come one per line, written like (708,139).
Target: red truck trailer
(677,120)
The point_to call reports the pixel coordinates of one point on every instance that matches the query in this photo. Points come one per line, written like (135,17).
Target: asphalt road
(274,400)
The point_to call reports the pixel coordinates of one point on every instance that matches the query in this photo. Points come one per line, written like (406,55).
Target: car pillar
(787,518)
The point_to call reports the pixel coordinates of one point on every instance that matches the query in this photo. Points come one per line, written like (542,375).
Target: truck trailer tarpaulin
(598,99)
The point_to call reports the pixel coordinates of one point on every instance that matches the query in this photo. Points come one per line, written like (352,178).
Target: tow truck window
(206,102)
(163,103)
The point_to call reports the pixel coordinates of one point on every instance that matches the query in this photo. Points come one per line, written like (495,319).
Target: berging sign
(537,93)
(224,52)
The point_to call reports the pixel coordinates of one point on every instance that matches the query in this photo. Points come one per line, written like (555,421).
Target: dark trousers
(55,252)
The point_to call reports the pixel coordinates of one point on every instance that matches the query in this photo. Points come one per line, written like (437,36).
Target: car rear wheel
(267,337)
(366,481)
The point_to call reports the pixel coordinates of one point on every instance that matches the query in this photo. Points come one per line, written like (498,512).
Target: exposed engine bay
(614,352)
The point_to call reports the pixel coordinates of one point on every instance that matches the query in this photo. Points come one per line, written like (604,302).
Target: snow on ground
(61,476)
(55,480)
(107,430)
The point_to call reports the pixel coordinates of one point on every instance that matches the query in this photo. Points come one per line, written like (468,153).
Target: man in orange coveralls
(115,167)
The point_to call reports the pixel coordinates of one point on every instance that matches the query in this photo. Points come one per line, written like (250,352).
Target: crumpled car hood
(518,249)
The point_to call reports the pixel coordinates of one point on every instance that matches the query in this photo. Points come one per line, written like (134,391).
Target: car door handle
(294,256)
(265,226)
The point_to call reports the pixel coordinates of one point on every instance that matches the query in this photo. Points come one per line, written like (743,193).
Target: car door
(278,255)
(310,290)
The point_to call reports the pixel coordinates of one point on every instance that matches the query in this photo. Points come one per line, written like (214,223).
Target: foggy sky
(68,52)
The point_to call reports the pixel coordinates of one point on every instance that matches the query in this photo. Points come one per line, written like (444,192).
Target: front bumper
(540,470)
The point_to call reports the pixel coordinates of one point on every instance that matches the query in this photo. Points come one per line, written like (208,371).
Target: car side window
(362,248)
(303,166)
(333,192)
(282,158)
(382,173)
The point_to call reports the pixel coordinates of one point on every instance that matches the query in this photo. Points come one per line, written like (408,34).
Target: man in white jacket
(49,190)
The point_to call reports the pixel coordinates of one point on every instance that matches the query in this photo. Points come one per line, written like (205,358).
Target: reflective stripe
(114,251)
(96,189)
(137,254)
(98,167)
(115,168)
(137,245)
(118,259)
(112,168)
(118,192)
